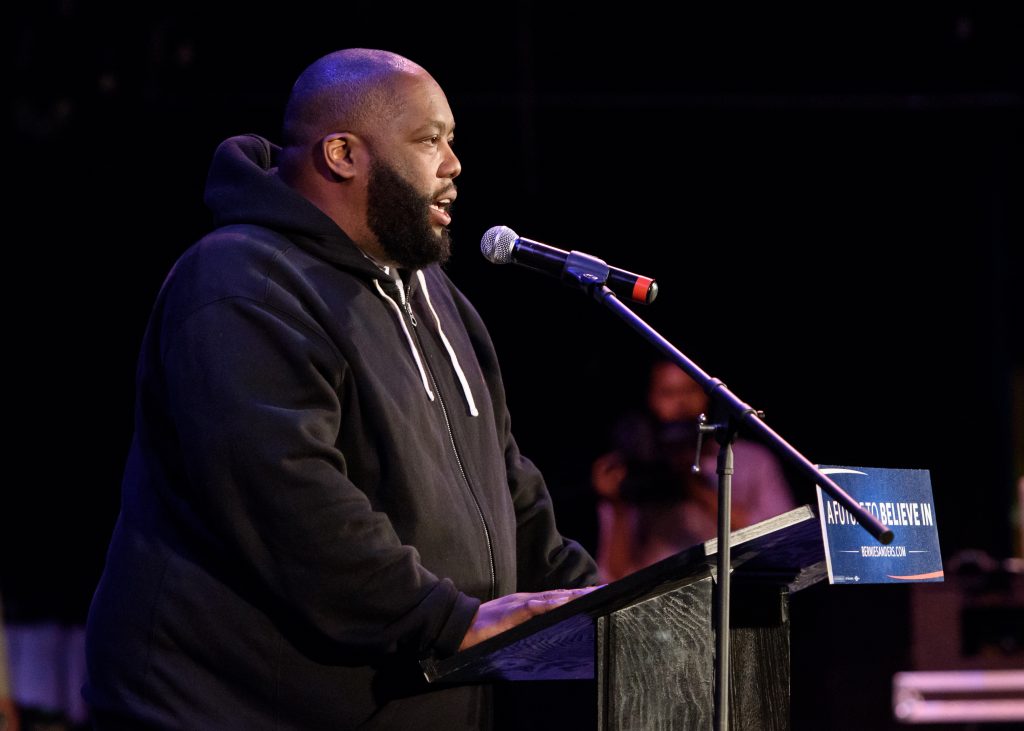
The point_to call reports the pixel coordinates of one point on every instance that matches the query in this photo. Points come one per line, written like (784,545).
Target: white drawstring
(448,346)
(408,336)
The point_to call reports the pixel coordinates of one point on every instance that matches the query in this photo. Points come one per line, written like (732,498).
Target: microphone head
(496,244)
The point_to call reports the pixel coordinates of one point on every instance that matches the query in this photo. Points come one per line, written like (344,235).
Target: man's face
(410,188)
(674,396)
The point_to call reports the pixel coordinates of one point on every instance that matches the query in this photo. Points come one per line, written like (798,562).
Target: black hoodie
(321,489)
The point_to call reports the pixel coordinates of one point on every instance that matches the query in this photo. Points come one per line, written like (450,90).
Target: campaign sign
(902,499)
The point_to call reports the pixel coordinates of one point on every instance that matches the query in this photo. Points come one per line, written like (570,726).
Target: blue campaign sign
(902,499)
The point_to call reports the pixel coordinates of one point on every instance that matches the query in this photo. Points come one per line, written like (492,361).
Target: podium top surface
(785,552)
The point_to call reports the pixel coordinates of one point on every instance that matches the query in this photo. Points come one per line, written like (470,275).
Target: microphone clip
(586,270)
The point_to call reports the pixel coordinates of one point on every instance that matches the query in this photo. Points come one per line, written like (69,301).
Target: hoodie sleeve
(252,394)
(545,559)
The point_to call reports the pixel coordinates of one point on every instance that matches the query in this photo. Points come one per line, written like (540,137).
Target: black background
(830,201)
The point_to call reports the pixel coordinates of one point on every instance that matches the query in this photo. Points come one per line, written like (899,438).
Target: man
(651,505)
(322,487)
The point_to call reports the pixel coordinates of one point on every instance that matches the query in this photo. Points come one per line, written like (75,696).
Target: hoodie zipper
(455,448)
(412,316)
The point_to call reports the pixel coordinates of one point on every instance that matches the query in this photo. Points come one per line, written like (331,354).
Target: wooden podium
(649,638)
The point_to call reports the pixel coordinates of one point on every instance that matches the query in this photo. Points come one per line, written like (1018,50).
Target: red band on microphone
(640,289)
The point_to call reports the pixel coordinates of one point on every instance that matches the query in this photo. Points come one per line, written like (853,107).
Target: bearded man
(322,488)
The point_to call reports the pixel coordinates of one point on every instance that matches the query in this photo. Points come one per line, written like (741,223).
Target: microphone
(502,245)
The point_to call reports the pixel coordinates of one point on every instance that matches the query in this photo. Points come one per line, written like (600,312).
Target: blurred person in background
(650,503)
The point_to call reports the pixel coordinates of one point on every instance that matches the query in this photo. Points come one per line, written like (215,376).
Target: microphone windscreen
(496,244)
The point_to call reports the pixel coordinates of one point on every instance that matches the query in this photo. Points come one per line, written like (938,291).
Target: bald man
(322,488)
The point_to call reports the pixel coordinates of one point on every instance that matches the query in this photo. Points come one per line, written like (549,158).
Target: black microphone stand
(725,435)
(591,274)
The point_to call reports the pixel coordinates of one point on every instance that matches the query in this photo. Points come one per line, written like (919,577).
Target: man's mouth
(440,209)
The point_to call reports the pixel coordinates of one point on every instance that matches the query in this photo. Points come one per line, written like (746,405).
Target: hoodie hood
(243,187)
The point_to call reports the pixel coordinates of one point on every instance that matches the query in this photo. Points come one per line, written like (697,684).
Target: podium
(649,639)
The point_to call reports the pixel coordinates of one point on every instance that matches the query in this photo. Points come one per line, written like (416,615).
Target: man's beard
(400,218)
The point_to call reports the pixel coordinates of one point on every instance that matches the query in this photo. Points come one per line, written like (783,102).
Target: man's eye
(432,140)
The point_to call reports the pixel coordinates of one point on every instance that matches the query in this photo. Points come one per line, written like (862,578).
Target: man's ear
(341,153)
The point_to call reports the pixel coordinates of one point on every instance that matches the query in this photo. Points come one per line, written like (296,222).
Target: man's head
(368,138)
(674,396)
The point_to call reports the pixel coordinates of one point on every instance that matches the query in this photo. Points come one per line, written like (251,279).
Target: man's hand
(505,612)
(607,474)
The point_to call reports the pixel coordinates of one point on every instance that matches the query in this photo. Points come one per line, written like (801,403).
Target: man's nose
(451,167)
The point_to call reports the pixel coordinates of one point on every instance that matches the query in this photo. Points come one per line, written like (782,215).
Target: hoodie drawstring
(460,374)
(448,346)
(408,336)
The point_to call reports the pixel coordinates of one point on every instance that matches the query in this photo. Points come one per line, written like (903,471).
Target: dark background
(830,201)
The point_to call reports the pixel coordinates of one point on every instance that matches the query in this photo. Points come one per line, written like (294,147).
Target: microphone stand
(725,435)
(591,274)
